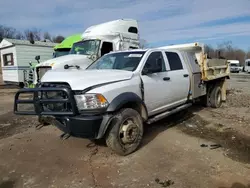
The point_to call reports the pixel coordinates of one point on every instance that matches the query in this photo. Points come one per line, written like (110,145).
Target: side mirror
(145,72)
(37,57)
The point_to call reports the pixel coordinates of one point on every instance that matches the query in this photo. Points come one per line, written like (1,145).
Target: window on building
(174,61)
(8,59)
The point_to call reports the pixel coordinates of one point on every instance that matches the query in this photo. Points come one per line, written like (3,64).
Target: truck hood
(71,59)
(83,79)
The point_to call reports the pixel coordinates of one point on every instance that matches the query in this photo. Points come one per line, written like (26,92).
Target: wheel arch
(124,100)
(129,100)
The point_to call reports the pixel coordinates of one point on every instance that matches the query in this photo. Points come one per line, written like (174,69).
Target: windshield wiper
(68,66)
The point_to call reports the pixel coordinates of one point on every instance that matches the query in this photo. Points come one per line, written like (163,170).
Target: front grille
(54,99)
(59,107)
(42,70)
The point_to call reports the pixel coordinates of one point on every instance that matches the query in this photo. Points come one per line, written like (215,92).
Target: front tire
(125,133)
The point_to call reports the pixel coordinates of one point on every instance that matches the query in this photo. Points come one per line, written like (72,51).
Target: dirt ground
(176,152)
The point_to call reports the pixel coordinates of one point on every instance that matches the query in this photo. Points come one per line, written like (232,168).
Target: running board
(168,113)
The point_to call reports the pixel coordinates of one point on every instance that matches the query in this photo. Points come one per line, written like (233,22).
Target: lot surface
(171,150)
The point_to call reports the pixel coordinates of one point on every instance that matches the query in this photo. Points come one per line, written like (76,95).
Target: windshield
(234,65)
(61,52)
(87,47)
(121,61)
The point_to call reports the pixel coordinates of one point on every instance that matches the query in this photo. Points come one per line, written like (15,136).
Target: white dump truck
(97,40)
(121,91)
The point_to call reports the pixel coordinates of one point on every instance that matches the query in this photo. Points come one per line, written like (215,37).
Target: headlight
(90,101)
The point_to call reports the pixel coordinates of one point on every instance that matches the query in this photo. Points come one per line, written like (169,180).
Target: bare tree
(58,39)
(20,36)
(37,34)
(248,54)
(211,52)
(47,36)
(32,34)
(29,35)
(7,32)
(240,55)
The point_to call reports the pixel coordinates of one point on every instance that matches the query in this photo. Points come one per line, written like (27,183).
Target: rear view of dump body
(212,69)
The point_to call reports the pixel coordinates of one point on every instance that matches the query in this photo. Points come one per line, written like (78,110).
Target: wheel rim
(129,131)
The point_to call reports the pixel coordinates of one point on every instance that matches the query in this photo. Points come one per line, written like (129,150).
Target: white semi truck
(97,40)
(121,91)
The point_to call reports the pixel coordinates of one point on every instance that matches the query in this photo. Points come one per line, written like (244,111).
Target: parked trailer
(17,54)
(120,91)
(247,65)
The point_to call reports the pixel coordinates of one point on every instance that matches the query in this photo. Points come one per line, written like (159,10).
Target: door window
(174,61)
(155,63)
(106,48)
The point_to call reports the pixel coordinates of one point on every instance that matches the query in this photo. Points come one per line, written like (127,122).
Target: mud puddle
(235,144)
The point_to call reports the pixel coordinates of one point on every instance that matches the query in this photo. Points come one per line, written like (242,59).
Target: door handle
(166,78)
(185,75)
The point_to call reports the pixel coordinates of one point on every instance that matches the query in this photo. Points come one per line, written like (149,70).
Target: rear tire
(205,100)
(216,97)
(126,131)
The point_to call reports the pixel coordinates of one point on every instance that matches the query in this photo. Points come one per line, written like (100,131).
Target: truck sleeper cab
(97,40)
(121,91)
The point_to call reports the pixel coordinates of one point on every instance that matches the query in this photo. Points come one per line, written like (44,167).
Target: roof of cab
(145,50)
(114,27)
(68,42)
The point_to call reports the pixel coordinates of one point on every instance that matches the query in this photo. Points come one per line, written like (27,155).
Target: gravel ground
(176,152)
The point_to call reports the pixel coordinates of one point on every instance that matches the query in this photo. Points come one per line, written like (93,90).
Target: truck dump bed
(214,68)
(210,68)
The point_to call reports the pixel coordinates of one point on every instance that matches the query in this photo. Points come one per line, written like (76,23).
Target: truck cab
(96,41)
(64,47)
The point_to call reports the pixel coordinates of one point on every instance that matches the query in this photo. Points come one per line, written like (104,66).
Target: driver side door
(157,88)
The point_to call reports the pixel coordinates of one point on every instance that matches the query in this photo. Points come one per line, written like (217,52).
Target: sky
(161,22)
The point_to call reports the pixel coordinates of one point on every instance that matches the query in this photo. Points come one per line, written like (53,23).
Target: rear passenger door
(179,77)
(157,88)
